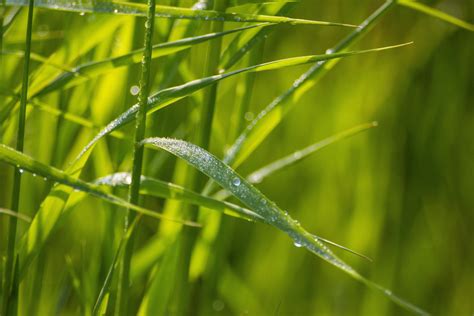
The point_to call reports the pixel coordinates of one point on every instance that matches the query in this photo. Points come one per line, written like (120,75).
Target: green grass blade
(11,287)
(18,215)
(273,114)
(92,69)
(260,204)
(420,7)
(168,96)
(26,163)
(123,287)
(129,8)
(244,42)
(260,174)
(167,190)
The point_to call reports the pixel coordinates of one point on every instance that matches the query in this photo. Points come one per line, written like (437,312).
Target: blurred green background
(401,193)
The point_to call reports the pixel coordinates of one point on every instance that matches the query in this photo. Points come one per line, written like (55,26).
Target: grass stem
(10,285)
(140,129)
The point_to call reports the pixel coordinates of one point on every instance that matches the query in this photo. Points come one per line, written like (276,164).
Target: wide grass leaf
(161,11)
(240,188)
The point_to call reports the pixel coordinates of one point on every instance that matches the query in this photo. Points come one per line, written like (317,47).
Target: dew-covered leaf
(168,96)
(161,11)
(255,200)
(167,190)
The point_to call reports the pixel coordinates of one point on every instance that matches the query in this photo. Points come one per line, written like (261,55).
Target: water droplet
(115,10)
(249,116)
(218,305)
(34,174)
(134,90)
(236,182)
(297,155)
(329,51)
(82,13)
(297,244)
(221,71)
(388,292)
(45,179)
(21,170)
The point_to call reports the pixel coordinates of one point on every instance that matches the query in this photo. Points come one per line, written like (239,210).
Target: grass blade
(273,114)
(18,215)
(161,11)
(11,286)
(260,174)
(260,204)
(420,7)
(26,163)
(168,96)
(167,190)
(90,70)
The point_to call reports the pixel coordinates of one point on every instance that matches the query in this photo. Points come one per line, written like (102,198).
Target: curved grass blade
(420,7)
(92,69)
(18,215)
(161,11)
(260,204)
(273,114)
(169,190)
(165,97)
(260,174)
(24,162)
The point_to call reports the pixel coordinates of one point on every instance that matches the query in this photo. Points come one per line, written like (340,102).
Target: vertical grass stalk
(189,235)
(10,285)
(140,128)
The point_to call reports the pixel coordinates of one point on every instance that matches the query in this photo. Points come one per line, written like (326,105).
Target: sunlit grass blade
(273,114)
(167,190)
(418,6)
(92,69)
(161,11)
(260,174)
(260,204)
(8,212)
(168,96)
(26,163)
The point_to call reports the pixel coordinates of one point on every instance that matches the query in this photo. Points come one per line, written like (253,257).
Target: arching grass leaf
(129,8)
(92,69)
(260,204)
(168,96)
(273,113)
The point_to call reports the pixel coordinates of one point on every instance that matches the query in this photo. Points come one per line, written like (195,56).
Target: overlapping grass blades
(92,69)
(26,163)
(260,204)
(168,96)
(129,8)
(167,190)
(418,6)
